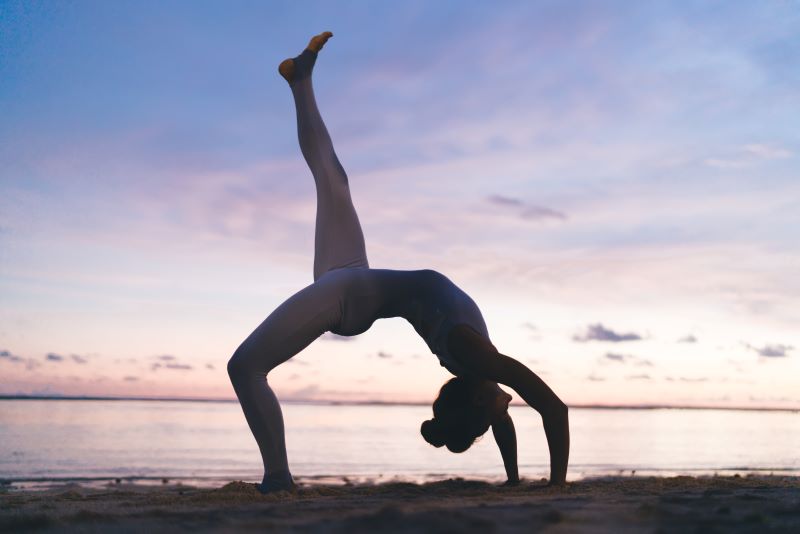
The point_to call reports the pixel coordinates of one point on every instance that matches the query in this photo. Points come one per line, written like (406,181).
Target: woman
(347,296)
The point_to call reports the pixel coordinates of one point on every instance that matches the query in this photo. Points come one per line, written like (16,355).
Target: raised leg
(288,330)
(339,240)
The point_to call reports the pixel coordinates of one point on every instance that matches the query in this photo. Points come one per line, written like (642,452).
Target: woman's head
(463,411)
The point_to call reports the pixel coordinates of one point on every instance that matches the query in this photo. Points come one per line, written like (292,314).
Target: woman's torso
(427,299)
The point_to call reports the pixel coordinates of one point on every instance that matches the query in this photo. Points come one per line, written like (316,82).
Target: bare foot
(318,41)
(287,66)
(279,481)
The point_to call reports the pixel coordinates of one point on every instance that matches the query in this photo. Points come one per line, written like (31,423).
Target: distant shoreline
(392,403)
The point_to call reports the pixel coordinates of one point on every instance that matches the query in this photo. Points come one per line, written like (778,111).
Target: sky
(616,184)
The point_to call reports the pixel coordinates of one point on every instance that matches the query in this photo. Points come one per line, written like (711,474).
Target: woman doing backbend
(347,296)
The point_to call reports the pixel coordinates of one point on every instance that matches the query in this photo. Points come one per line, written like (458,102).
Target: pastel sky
(617,184)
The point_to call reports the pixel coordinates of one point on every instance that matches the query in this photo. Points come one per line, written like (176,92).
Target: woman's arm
(506,438)
(555,415)
(475,353)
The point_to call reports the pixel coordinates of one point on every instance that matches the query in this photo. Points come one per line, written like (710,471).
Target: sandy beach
(635,504)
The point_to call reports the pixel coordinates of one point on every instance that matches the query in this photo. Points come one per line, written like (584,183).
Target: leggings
(338,243)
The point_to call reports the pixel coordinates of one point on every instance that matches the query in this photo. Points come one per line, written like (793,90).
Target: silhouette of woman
(347,296)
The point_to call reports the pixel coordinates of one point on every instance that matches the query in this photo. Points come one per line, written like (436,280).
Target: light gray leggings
(339,242)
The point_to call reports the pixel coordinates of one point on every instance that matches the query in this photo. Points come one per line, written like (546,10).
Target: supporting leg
(288,330)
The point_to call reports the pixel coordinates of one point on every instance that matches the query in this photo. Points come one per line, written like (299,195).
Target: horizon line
(330,402)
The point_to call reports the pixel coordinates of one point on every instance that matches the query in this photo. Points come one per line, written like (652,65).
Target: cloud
(689,379)
(618,358)
(595,378)
(178,366)
(765,151)
(688,339)
(597,332)
(526,211)
(771,351)
(168,361)
(131,379)
(638,377)
(539,212)
(53,357)
(330,336)
(30,363)
(505,201)
(171,365)
(382,354)
(10,357)
(748,155)
(210,366)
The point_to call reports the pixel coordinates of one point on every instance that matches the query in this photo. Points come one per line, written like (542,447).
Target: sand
(630,504)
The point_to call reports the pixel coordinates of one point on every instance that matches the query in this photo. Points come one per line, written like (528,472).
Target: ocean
(208,443)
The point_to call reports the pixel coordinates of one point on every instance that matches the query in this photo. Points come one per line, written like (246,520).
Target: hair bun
(433,433)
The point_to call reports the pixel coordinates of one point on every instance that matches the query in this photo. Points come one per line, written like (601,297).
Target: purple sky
(616,184)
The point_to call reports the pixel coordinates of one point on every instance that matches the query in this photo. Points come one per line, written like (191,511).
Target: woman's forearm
(555,418)
(556,428)
(506,438)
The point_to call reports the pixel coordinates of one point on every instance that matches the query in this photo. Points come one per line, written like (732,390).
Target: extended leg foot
(300,66)
(318,41)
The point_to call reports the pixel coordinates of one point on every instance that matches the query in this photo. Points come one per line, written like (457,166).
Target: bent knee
(240,364)
(247,363)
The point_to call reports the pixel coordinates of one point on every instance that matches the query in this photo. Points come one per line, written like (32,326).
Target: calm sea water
(209,442)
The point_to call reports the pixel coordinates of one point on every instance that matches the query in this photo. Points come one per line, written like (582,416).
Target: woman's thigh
(289,329)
